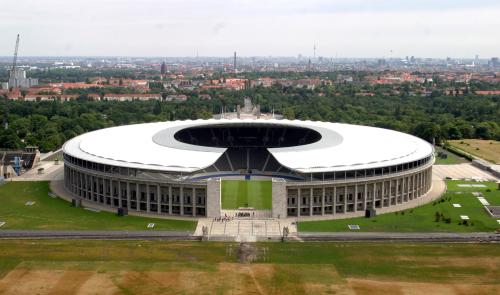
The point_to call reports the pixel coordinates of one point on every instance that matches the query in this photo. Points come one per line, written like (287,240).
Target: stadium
(269,167)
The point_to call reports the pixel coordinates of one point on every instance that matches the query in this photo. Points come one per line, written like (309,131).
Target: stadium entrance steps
(245,230)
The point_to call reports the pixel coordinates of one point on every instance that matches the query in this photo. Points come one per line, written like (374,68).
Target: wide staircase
(245,229)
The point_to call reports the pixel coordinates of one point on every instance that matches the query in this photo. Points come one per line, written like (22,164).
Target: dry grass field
(156,267)
(485,149)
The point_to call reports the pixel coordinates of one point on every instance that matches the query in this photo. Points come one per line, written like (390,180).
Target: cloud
(368,28)
(219,27)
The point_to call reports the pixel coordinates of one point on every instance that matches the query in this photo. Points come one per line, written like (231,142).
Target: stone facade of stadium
(324,194)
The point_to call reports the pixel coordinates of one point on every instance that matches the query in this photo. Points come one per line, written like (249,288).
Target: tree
(483,131)
(9,139)
(428,131)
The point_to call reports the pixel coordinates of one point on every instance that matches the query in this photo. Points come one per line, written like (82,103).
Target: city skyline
(361,28)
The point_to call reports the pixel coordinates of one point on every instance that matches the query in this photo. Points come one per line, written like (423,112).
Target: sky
(338,28)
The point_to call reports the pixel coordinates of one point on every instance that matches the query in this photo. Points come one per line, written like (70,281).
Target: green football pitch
(246,193)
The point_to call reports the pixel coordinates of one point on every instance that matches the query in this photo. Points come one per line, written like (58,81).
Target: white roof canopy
(342,147)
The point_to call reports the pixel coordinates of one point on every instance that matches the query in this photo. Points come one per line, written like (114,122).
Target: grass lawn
(246,193)
(423,219)
(57,214)
(486,149)
(159,267)
(452,159)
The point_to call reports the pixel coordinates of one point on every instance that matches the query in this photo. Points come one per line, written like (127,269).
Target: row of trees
(49,124)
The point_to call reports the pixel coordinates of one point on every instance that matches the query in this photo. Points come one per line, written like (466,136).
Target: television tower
(14,62)
(163,68)
(13,74)
(314,48)
(234,62)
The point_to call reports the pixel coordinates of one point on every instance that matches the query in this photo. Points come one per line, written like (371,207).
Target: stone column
(111,195)
(299,200)
(193,200)
(414,185)
(345,199)
(148,199)
(323,201)
(279,198)
(355,197)
(86,185)
(365,196)
(311,192)
(404,197)
(98,188)
(383,192)
(397,191)
(119,194)
(181,191)
(137,197)
(82,188)
(334,200)
(170,200)
(158,199)
(213,204)
(128,195)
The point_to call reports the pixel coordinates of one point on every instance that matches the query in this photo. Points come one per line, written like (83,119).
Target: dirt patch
(372,287)
(463,266)
(247,253)
(70,282)
(55,282)
(246,278)
(22,281)
(232,278)
(490,263)
(98,284)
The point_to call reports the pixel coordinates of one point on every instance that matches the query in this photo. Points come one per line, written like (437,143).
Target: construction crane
(14,63)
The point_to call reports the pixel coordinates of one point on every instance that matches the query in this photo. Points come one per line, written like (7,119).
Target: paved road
(99,235)
(173,235)
(413,237)
(461,171)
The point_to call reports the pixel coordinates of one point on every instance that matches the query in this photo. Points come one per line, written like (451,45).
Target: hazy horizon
(279,28)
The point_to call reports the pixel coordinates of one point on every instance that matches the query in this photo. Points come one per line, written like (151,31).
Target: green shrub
(438,217)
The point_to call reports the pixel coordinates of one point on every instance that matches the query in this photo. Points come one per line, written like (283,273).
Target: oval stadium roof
(342,147)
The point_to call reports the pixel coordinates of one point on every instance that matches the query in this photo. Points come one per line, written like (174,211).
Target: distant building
(307,83)
(50,97)
(75,85)
(205,96)
(235,83)
(488,92)
(163,68)
(131,83)
(344,79)
(494,62)
(17,79)
(130,97)
(178,97)
(264,82)
(15,94)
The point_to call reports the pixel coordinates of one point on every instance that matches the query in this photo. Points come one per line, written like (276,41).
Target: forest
(437,118)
